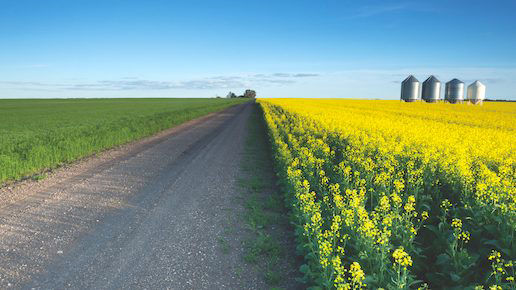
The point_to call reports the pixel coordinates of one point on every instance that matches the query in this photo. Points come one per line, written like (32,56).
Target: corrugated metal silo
(454,91)
(410,89)
(476,92)
(431,92)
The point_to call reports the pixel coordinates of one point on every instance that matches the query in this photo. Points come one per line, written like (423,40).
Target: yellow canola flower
(409,206)
(465,236)
(357,274)
(446,204)
(495,255)
(457,223)
(401,257)
(384,204)
(396,199)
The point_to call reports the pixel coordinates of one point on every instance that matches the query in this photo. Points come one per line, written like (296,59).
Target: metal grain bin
(476,92)
(431,92)
(454,91)
(410,89)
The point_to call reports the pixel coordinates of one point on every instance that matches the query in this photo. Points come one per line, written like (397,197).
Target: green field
(40,134)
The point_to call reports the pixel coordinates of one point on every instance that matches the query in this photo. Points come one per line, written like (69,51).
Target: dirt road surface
(145,215)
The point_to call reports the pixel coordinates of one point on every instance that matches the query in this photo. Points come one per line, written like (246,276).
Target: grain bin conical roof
(431,79)
(477,83)
(455,82)
(411,79)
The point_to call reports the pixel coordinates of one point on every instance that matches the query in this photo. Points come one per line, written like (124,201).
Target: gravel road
(145,215)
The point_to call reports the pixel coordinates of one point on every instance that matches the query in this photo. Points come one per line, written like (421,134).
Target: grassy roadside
(270,247)
(37,135)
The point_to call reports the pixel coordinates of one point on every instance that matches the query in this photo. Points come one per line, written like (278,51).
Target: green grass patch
(262,246)
(224,245)
(264,210)
(38,177)
(42,134)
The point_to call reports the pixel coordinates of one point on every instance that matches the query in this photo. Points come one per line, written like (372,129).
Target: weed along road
(145,215)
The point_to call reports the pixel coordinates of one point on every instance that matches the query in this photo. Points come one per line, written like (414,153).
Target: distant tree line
(498,100)
(251,94)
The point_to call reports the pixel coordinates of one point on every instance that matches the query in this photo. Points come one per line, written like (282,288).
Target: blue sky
(350,49)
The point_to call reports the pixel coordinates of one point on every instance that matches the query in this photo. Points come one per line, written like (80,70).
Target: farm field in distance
(399,195)
(39,134)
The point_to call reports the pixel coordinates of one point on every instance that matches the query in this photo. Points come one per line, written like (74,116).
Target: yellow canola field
(383,185)
(455,135)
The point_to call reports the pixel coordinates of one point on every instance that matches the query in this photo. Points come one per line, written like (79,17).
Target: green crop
(41,134)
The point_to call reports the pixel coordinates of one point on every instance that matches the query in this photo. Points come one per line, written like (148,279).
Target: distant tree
(231,95)
(250,94)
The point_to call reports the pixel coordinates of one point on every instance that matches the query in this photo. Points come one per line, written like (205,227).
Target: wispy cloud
(30,86)
(305,75)
(386,8)
(133,83)
(124,85)
(493,80)
(26,66)
(374,10)
(288,75)
(23,83)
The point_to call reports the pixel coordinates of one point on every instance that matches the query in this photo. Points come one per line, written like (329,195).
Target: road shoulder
(268,238)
